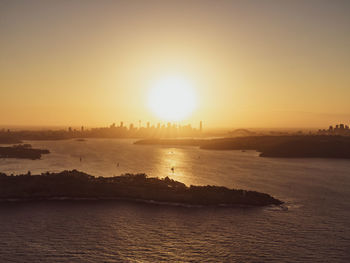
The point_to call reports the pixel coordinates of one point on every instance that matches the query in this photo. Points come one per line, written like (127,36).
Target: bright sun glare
(172,98)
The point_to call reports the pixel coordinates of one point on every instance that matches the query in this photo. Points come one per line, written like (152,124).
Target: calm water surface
(315,228)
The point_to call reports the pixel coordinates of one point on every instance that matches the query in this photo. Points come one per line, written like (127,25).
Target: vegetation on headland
(75,184)
(22,151)
(296,146)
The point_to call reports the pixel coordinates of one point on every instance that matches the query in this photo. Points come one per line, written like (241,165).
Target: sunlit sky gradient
(254,63)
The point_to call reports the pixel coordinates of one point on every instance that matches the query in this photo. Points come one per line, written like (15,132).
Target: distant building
(200,126)
(339,129)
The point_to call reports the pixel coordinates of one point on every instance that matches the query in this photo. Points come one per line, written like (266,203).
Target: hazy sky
(252,63)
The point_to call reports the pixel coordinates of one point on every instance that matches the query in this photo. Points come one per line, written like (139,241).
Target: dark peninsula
(9,139)
(287,146)
(22,151)
(137,187)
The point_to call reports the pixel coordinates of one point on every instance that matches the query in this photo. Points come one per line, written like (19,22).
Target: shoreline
(129,200)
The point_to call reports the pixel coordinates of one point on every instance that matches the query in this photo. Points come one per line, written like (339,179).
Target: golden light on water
(172,98)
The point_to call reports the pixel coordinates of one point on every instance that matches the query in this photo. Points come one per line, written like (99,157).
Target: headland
(22,151)
(287,146)
(137,187)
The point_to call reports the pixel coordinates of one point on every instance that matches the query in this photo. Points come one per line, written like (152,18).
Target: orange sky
(252,63)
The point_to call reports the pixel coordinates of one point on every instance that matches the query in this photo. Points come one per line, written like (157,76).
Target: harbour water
(313,226)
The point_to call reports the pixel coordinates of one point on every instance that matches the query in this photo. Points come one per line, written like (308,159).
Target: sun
(172,98)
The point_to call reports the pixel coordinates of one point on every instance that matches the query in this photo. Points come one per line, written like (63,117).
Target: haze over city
(244,63)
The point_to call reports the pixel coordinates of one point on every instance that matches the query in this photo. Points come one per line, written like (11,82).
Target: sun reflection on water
(173,160)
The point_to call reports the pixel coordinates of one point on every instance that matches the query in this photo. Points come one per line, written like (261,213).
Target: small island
(22,151)
(72,185)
